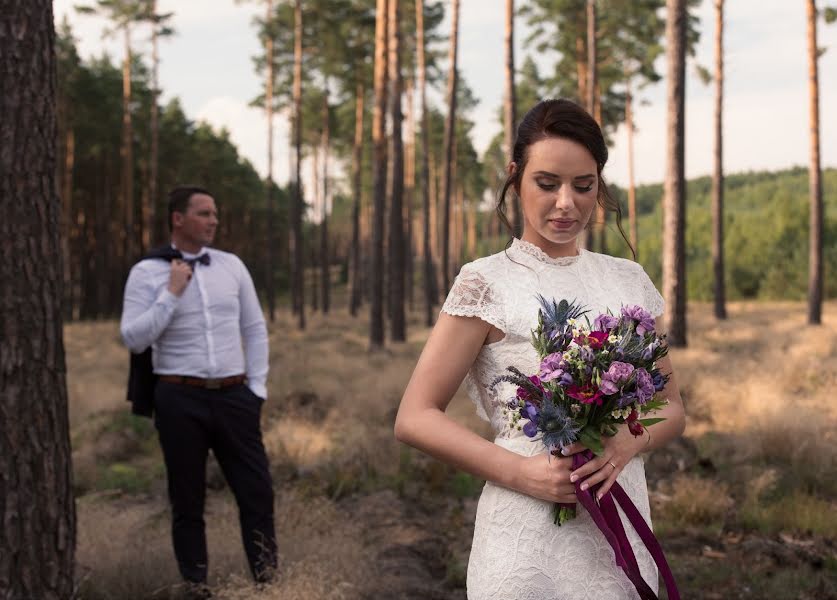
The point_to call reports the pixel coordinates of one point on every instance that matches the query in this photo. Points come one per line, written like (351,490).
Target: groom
(197,307)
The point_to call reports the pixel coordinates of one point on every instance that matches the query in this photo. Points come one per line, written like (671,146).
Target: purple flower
(524,393)
(659,382)
(552,367)
(648,353)
(644,386)
(644,321)
(605,322)
(566,379)
(586,354)
(626,399)
(530,428)
(616,375)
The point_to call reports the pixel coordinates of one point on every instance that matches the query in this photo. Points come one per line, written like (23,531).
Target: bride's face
(558,191)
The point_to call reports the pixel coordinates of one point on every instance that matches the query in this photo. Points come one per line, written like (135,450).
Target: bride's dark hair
(564,119)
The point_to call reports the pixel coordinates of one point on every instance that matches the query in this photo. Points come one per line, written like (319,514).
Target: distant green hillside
(766,237)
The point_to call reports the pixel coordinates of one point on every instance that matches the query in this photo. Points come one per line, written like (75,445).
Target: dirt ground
(744,504)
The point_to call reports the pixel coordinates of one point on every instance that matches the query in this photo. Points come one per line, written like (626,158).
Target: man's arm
(253,335)
(145,314)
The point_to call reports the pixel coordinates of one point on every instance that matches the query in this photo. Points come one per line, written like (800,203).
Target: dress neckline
(533,251)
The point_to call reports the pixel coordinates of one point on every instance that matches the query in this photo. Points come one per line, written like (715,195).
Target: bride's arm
(422,423)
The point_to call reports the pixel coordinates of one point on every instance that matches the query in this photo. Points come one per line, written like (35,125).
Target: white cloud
(248,130)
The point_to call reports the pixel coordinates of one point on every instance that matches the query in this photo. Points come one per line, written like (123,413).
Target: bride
(485,326)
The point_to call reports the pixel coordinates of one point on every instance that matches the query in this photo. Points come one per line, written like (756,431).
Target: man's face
(198,224)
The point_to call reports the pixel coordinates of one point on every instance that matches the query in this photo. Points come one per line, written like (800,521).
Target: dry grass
(757,390)
(690,501)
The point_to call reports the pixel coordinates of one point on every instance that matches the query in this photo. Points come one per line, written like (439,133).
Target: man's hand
(179,277)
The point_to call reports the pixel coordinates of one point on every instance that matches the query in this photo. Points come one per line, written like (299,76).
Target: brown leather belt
(212,383)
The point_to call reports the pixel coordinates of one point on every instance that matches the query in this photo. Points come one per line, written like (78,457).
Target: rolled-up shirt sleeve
(253,335)
(145,312)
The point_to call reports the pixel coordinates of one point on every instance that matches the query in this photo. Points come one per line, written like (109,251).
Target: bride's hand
(547,477)
(618,451)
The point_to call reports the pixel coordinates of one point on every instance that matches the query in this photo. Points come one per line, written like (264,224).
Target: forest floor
(744,504)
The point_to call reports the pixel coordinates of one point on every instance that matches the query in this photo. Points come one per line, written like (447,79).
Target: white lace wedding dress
(517,551)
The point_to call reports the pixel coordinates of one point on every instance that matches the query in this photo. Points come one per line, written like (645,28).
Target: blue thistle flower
(558,427)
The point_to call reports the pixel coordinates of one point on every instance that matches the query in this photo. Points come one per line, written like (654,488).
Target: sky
(208,65)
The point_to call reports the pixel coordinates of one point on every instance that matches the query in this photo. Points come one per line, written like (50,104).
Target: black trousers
(190,421)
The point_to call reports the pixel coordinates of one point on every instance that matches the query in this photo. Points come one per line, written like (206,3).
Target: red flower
(634,426)
(587,394)
(595,339)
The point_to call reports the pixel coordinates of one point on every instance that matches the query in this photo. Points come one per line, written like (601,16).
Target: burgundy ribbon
(606,518)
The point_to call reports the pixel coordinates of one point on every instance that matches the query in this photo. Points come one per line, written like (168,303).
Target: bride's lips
(562,223)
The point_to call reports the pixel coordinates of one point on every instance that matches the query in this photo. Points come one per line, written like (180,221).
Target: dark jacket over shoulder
(141,377)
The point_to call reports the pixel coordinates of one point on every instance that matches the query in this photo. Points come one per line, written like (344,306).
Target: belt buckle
(213,383)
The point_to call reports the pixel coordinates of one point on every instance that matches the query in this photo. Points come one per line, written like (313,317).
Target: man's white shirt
(214,329)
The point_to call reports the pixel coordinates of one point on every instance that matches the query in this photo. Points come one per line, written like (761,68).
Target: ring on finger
(610,462)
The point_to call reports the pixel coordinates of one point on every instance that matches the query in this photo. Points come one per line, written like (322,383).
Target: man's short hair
(179,198)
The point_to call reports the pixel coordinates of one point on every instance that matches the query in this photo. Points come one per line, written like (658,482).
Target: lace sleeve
(652,300)
(473,296)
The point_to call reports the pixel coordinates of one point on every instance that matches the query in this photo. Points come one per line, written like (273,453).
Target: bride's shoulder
(614,265)
(490,268)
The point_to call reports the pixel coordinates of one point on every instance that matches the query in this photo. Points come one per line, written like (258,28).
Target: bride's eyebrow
(588,176)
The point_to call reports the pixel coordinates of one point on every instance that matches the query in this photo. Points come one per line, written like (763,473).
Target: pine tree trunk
(37,538)
(396,221)
(674,199)
(581,64)
(154,169)
(357,158)
(317,210)
(592,71)
(376,317)
(410,244)
(297,248)
(587,238)
(450,134)
(427,238)
(510,111)
(718,176)
(629,127)
(325,282)
(815,224)
(471,248)
(270,258)
(127,155)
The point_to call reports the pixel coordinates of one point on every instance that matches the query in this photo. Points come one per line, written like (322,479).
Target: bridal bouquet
(591,379)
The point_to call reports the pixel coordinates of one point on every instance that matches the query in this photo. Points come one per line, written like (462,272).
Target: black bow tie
(203,259)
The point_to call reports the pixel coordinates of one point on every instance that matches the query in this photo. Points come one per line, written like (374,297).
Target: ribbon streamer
(606,517)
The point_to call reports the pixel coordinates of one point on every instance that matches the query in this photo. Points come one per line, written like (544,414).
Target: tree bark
(410,243)
(629,126)
(150,224)
(590,100)
(37,538)
(127,153)
(510,110)
(357,157)
(450,134)
(296,244)
(376,320)
(325,282)
(268,106)
(718,176)
(429,271)
(398,331)
(815,224)
(674,198)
